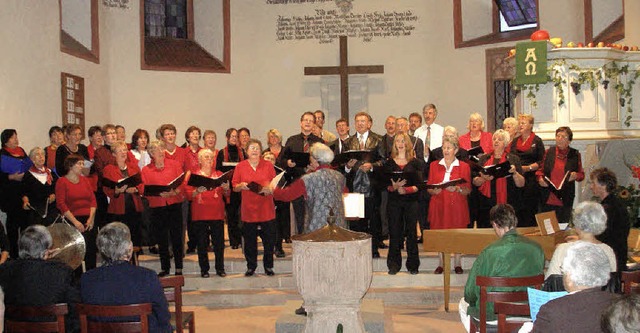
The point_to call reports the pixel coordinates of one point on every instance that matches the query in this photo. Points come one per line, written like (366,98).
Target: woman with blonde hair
(476,137)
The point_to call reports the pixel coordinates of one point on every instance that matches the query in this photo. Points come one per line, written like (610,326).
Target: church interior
(261,63)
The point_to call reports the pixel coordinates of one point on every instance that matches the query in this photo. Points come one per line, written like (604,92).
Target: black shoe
(393,271)
(269,271)
(419,239)
(204,274)
(413,271)
(376,254)
(249,272)
(153,249)
(178,272)
(287,240)
(301,311)
(382,245)
(280,254)
(235,247)
(191,251)
(163,274)
(221,273)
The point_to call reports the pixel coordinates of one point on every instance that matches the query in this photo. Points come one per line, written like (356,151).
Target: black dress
(531,190)
(42,211)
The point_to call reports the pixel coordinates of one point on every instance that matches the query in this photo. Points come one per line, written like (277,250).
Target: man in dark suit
(585,271)
(33,281)
(360,172)
(299,143)
(117,282)
(342,128)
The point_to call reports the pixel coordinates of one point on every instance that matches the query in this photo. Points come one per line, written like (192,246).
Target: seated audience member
(117,282)
(622,315)
(512,255)
(32,280)
(585,269)
(589,221)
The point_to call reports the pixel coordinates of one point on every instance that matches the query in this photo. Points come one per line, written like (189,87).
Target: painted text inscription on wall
(327,25)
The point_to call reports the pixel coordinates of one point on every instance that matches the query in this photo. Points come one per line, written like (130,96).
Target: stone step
(235,263)
(268,297)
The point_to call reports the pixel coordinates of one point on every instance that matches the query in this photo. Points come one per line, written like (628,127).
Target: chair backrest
(173,292)
(21,318)
(503,309)
(486,296)
(628,281)
(108,312)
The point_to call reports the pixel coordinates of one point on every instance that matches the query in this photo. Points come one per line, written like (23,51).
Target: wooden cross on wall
(344,70)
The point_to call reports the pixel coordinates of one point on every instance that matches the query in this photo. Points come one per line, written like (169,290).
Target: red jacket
(208,205)
(486,141)
(255,207)
(154,176)
(117,203)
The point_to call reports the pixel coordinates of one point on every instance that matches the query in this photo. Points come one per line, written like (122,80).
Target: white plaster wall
(76,20)
(604,13)
(30,69)
(266,87)
(209,26)
(477,18)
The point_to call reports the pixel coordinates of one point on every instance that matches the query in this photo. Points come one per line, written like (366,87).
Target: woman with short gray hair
(38,196)
(34,242)
(117,282)
(589,220)
(114,243)
(322,187)
(585,271)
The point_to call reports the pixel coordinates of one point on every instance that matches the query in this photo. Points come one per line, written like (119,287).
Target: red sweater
(208,205)
(77,198)
(117,204)
(191,160)
(255,207)
(179,155)
(154,176)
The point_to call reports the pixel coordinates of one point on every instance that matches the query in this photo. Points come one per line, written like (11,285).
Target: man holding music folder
(295,158)
(359,169)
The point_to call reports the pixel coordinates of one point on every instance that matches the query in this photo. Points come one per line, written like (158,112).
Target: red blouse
(179,155)
(154,176)
(77,198)
(113,173)
(191,160)
(255,207)
(208,205)
(486,141)
(449,210)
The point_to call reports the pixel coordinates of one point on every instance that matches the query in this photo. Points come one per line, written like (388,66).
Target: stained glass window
(518,12)
(165,18)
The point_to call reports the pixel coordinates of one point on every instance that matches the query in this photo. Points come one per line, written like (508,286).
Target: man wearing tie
(362,179)
(299,143)
(431,134)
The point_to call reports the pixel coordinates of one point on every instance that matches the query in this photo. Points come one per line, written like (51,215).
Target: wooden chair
(485,282)
(173,292)
(504,309)
(142,311)
(19,319)
(628,281)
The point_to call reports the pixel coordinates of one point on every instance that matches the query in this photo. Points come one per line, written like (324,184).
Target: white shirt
(447,172)
(437,132)
(362,137)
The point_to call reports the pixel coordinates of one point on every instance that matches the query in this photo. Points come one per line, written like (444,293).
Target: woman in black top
(530,149)
(73,135)
(228,156)
(39,185)
(402,207)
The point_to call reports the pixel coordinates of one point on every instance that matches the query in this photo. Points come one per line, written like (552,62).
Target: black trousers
(15,223)
(233,219)
(371,224)
(101,209)
(192,242)
(402,216)
(283,223)
(167,225)
(91,249)
(201,231)
(266,231)
(423,210)
(530,201)
(299,208)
